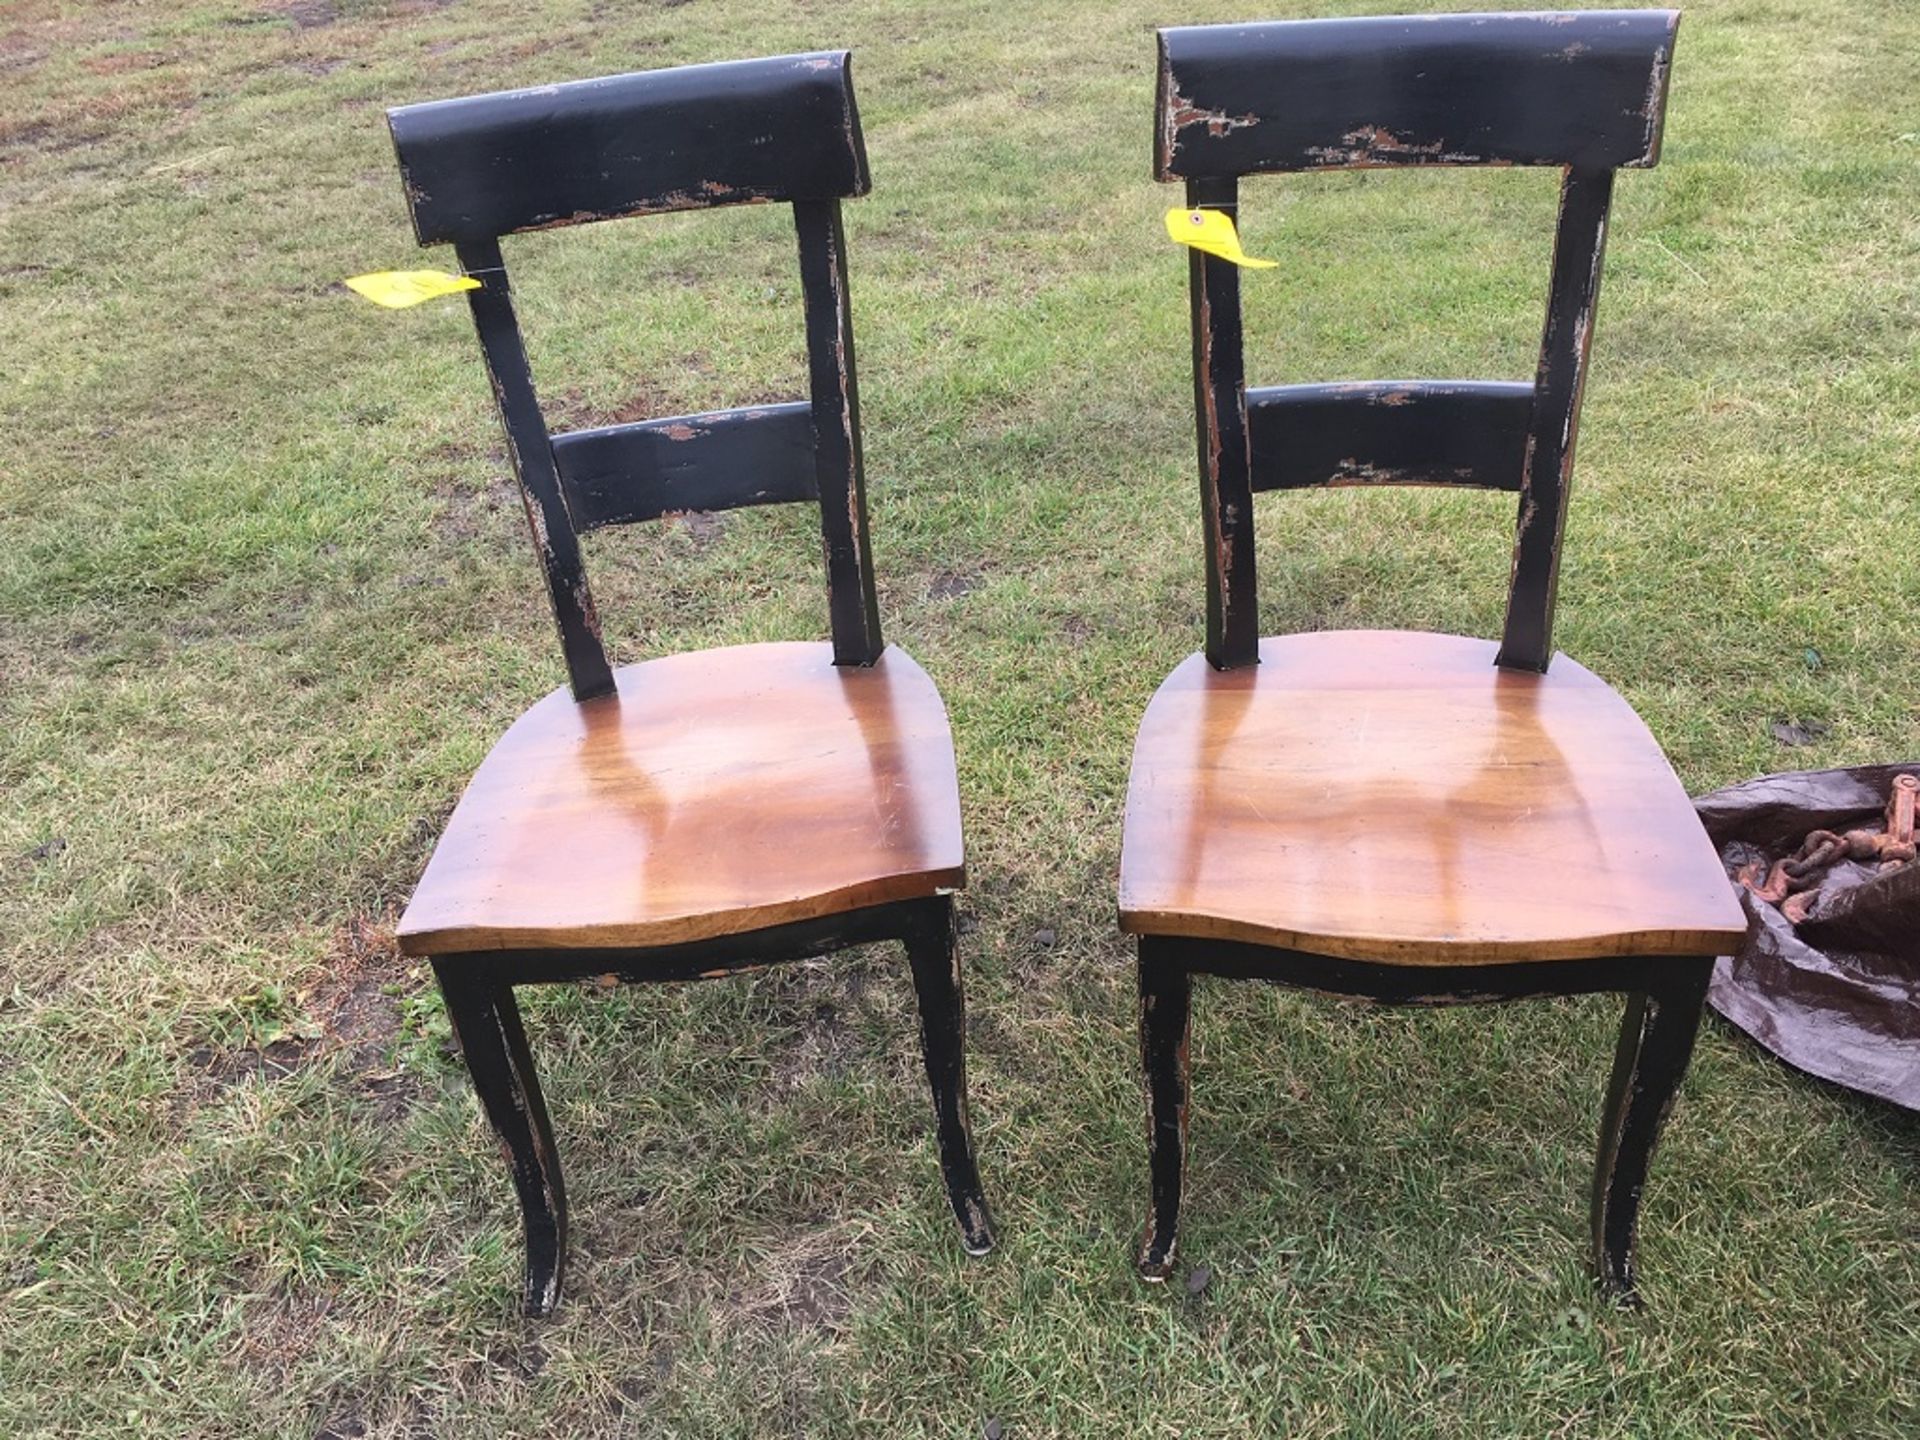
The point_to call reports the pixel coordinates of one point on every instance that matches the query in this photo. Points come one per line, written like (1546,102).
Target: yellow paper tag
(1213,232)
(397,289)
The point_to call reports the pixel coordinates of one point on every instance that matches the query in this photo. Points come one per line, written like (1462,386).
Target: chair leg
(1656,1041)
(1166,994)
(494,1044)
(933,953)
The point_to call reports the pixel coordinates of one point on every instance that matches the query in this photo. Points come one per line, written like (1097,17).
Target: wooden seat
(713,812)
(1396,797)
(1416,819)
(713,793)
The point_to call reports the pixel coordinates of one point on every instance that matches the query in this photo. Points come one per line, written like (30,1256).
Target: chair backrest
(776,130)
(1583,90)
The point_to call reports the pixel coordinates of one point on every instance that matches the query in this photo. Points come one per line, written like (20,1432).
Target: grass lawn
(266,599)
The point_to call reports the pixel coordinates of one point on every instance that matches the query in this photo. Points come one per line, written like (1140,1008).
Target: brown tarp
(1839,995)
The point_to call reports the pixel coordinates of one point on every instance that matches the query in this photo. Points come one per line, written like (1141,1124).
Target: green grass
(265,600)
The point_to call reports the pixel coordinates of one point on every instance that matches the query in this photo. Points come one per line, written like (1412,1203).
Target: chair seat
(1395,797)
(713,793)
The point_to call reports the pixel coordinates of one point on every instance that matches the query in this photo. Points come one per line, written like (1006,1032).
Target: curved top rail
(687,138)
(1584,88)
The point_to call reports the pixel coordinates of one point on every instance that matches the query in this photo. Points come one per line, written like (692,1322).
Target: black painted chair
(1411,818)
(712,812)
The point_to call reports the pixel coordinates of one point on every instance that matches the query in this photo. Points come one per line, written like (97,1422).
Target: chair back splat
(782,130)
(1583,90)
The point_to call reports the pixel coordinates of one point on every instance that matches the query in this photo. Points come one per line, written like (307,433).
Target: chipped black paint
(554,538)
(616,474)
(1656,1042)
(1165,1033)
(486,1021)
(1664,999)
(796,114)
(1390,432)
(742,132)
(839,465)
(1585,90)
(1579,247)
(478,988)
(1581,88)
(1226,457)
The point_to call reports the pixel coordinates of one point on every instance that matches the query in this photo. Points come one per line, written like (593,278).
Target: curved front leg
(1656,1041)
(933,953)
(1166,1009)
(494,1044)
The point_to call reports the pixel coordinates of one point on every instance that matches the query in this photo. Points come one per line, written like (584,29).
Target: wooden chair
(704,813)
(1412,818)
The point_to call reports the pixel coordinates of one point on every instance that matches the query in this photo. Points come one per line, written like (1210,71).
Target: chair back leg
(1166,1010)
(933,954)
(494,1043)
(1656,1041)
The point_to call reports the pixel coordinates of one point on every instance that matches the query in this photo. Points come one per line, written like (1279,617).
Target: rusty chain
(1793,882)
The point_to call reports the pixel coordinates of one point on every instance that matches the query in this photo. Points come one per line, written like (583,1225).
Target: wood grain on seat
(1395,797)
(713,793)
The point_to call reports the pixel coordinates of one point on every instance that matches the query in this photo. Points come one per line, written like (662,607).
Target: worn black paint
(1226,455)
(1389,984)
(554,539)
(783,129)
(1583,91)
(1665,994)
(839,466)
(1578,249)
(702,136)
(487,1023)
(1656,1042)
(479,995)
(1166,1009)
(1581,88)
(933,954)
(1390,432)
(720,461)
(687,138)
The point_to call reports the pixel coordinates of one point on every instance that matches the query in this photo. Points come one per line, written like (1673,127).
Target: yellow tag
(1213,232)
(397,289)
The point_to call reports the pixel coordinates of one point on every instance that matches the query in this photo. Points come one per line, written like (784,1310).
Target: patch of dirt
(818,1005)
(1799,732)
(525,1361)
(223,1069)
(45,137)
(635,1390)
(123,62)
(305,14)
(278,1330)
(90,121)
(28,271)
(807,1285)
(954,584)
(703,527)
(356,1018)
(51,850)
(467,512)
(349,1001)
(571,410)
